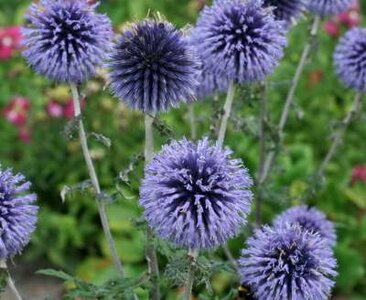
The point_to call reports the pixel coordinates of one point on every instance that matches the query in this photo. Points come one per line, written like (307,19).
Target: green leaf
(56,273)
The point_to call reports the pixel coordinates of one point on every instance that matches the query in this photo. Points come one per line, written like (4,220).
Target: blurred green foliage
(69,234)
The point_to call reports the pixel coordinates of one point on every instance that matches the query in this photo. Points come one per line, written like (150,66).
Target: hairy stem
(230,256)
(227,111)
(192,121)
(94,180)
(151,251)
(290,97)
(192,254)
(9,281)
(262,147)
(337,140)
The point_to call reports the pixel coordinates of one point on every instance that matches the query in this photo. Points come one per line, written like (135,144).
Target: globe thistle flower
(196,195)
(287,262)
(309,219)
(18,213)
(66,40)
(286,10)
(240,40)
(350,59)
(153,67)
(328,7)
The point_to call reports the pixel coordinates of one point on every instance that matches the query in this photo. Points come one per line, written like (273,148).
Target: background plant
(52,160)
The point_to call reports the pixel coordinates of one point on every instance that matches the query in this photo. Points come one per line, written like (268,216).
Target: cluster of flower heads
(153,67)
(195,194)
(328,7)
(10,39)
(18,214)
(286,262)
(350,59)
(66,40)
(293,259)
(240,40)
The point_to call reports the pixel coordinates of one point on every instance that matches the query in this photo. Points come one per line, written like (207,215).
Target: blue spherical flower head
(240,40)
(18,214)
(350,59)
(66,40)
(195,194)
(325,8)
(153,67)
(309,219)
(286,10)
(287,262)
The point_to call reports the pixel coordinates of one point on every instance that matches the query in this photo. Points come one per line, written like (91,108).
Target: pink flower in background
(16,111)
(358,174)
(10,38)
(349,18)
(54,109)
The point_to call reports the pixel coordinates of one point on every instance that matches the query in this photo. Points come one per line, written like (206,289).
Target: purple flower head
(287,262)
(66,40)
(350,59)
(309,219)
(153,67)
(18,214)
(196,195)
(240,40)
(328,7)
(286,10)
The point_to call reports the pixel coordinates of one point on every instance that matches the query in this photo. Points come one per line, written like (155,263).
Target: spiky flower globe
(240,40)
(18,214)
(195,194)
(328,7)
(153,67)
(66,40)
(311,219)
(286,10)
(287,262)
(350,59)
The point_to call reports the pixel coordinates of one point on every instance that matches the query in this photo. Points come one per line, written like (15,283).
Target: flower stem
(94,180)
(10,282)
(192,121)
(290,97)
(151,251)
(262,147)
(227,111)
(230,256)
(341,131)
(192,254)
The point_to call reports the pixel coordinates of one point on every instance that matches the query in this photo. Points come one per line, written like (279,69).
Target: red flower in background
(24,134)
(69,108)
(10,38)
(349,18)
(16,111)
(358,174)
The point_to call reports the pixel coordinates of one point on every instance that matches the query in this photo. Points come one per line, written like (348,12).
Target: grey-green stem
(227,111)
(290,98)
(95,182)
(337,140)
(10,282)
(192,255)
(151,251)
(192,120)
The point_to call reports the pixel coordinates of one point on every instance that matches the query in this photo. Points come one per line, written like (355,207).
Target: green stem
(95,183)
(151,251)
(192,254)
